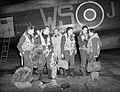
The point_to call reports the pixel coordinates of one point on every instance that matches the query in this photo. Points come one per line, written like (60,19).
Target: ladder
(5,48)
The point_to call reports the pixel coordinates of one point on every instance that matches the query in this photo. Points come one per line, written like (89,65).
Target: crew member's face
(37,31)
(91,34)
(46,31)
(31,31)
(70,32)
(56,31)
(85,31)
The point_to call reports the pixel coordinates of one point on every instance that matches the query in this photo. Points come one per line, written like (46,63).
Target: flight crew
(41,61)
(25,45)
(82,41)
(94,45)
(68,50)
(56,42)
(62,46)
(45,40)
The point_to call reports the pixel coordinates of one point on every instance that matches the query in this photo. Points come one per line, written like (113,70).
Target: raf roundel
(90,13)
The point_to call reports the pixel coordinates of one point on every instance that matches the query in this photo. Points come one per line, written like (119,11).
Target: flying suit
(93,46)
(68,48)
(47,49)
(56,41)
(24,45)
(83,52)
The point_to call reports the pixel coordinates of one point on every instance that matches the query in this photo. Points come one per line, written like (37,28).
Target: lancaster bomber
(101,15)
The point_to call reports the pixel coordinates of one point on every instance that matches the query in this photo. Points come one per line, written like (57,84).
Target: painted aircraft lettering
(63,15)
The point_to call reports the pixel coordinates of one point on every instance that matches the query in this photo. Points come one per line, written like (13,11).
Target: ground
(109,76)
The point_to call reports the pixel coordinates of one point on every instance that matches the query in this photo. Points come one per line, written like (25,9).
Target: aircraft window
(4,22)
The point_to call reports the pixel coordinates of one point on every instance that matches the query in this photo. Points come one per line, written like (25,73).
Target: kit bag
(93,66)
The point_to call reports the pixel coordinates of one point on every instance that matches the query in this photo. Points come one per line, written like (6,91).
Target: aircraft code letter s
(66,14)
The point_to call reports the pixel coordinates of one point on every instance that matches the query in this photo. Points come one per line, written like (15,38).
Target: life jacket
(28,44)
(83,38)
(90,45)
(56,41)
(82,41)
(69,45)
(43,41)
(47,50)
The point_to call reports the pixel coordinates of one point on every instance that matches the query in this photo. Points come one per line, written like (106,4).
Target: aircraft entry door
(6,27)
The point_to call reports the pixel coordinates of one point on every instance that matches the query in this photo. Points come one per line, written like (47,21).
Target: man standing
(68,49)
(82,41)
(45,41)
(93,46)
(25,45)
(56,41)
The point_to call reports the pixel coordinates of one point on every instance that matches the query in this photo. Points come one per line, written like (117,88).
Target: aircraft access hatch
(6,27)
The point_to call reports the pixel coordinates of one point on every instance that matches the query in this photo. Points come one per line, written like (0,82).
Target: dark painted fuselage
(62,14)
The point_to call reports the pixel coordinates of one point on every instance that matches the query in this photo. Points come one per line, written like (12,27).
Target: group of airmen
(38,48)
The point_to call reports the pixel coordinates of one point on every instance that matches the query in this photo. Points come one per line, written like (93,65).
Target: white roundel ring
(89,10)
(90,13)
